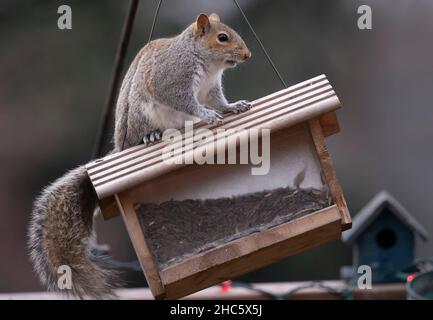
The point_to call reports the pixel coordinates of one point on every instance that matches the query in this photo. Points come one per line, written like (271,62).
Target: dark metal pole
(116,78)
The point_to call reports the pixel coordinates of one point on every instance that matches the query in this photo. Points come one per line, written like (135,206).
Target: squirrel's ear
(214,17)
(202,24)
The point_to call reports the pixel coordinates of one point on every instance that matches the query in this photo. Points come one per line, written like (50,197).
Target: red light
(410,277)
(226,286)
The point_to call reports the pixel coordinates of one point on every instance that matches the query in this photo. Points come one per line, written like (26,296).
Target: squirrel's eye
(223,37)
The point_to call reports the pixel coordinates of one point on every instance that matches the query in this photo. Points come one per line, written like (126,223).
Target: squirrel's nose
(246,54)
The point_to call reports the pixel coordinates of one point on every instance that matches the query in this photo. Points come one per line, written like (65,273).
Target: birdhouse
(383,237)
(195,223)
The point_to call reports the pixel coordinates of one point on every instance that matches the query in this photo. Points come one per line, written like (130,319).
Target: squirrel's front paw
(239,106)
(152,137)
(211,116)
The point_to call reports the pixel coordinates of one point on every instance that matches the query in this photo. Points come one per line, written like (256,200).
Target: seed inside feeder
(176,230)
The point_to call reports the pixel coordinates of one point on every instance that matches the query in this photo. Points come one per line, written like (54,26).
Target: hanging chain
(260,43)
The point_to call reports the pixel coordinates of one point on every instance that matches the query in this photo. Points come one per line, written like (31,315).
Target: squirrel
(172,80)
(169,81)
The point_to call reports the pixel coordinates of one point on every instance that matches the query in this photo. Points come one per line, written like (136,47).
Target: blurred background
(54,83)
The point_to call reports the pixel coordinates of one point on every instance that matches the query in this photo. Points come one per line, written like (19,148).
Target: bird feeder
(195,225)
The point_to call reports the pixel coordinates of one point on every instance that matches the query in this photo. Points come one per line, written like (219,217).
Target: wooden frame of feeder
(312,103)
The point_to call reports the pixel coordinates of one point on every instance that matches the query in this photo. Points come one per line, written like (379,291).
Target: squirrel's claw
(211,116)
(240,106)
(152,137)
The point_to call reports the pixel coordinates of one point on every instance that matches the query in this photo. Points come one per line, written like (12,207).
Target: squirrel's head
(221,42)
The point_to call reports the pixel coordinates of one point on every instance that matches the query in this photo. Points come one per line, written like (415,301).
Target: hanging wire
(260,43)
(115,81)
(152,29)
(155,17)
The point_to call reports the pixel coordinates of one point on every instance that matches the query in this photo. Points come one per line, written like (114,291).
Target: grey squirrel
(170,80)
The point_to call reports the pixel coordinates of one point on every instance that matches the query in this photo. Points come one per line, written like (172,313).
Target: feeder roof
(374,208)
(296,104)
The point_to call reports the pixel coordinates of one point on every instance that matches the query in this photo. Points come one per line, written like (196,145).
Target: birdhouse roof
(374,208)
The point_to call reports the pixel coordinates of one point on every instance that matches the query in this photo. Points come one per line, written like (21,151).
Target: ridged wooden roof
(129,168)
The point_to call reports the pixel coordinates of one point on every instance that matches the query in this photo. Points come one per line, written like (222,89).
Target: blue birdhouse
(383,237)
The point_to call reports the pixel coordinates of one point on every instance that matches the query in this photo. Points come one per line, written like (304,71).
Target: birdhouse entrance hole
(386,238)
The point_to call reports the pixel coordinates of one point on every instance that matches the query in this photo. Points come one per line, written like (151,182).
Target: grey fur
(60,233)
(178,70)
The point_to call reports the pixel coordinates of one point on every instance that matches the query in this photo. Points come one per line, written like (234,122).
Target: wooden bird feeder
(194,225)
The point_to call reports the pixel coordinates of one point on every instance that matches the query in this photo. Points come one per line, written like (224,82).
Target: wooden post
(329,173)
(141,248)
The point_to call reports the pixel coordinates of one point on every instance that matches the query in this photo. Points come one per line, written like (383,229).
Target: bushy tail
(61,233)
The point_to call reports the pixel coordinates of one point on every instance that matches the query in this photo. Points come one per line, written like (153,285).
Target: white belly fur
(165,117)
